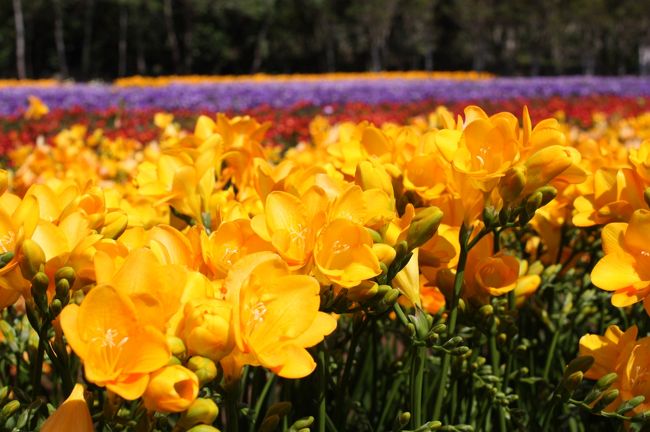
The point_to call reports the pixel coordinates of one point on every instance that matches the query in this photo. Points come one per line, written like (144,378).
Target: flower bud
(573,381)
(40,283)
(32,258)
(607,398)
(423,227)
(6,258)
(204,368)
(171,389)
(201,411)
(203,428)
(630,404)
(63,290)
(404,418)
(114,224)
(605,381)
(582,364)
(176,346)
(56,307)
(8,410)
(4,393)
(512,184)
(376,237)
(66,273)
(384,253)
(206,329)
(302,423)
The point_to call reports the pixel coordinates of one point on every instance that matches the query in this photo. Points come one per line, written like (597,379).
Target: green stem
(37,367)
(496,368)
(417,375)
(389,402)
(322,403)
(463,238)
(260,402)
(551,354)
(347,370)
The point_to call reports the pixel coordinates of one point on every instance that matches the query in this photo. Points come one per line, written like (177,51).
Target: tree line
(88,39)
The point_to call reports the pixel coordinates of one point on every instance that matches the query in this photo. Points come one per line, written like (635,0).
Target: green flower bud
(582,364)
(404,418)
(424,225)
(202,410)
(376,237)
(32,258)
(40,283)
(8,410)
(512,184)
(606,399)
(63,290)
(453,342)
(606,381)
(460,351)
(203,428)
(176,346)
(302,423)
(114,224)
(66,273)
(204,368)
(573,381)
(630,404)
(6,258)
(55,308)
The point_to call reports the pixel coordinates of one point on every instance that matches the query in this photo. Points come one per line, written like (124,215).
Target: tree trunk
(188,36)
(20,39)
(87,38)
(122,45)
(260,46)
(59,38)
(172,39)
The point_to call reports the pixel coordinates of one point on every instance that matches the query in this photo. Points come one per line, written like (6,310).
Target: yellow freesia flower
(117,348)
(72,415)
(625,268)
(275,316)
(171,389)
(344,253)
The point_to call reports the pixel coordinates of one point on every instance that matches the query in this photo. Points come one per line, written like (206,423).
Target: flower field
(360,253)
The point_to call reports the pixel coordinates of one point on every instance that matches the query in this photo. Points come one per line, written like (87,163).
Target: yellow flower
(36,108)
(171,389)
(615,194)
(72,415)
(275,316)
(229,243)
(610,352)
(344,253)
(486,148)
(625,268)
(118,350)
(154,288)
(407,281)
(289,226)
(206,328)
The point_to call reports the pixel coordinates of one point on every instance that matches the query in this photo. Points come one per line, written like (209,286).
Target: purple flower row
(243,95)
